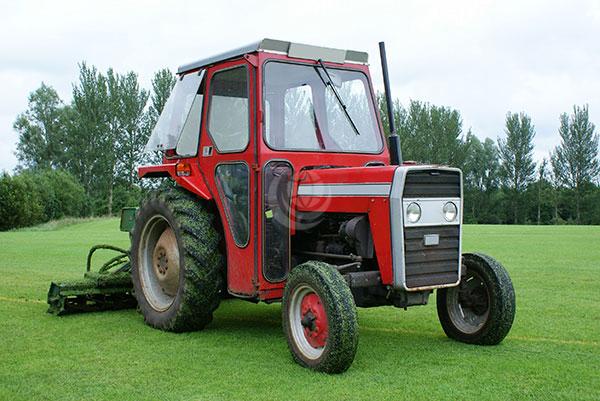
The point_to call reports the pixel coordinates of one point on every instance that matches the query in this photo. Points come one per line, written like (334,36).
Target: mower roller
(109,288)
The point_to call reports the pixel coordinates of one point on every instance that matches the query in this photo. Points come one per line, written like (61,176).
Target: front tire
(319,318)
(481,309)
(177,268)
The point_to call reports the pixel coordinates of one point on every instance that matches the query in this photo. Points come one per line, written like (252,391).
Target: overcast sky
(483,58)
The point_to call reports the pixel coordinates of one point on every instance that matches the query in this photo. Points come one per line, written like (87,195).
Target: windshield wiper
(335,92)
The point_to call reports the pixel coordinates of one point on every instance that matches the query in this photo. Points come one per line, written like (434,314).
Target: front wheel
(481,309)
(319,318)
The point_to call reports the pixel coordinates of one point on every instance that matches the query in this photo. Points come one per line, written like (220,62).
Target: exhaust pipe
(394,140)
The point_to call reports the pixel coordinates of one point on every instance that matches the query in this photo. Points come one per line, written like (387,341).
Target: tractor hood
(428,181)
(350,181)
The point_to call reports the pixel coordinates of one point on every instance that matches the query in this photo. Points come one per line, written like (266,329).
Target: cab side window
(232,180)
(228,110)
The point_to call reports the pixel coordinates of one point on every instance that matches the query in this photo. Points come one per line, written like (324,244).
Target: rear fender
(194,182)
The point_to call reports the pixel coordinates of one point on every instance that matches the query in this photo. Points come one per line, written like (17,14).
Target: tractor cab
(242,128)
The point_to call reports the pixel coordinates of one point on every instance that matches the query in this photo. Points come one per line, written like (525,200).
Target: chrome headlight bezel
(414,210)
(450,211)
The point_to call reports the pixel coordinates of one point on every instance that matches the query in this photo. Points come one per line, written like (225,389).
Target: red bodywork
(244,270)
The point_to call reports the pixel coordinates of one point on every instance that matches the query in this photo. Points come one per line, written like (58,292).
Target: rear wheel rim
(469,303)
(308,322)
(159,263)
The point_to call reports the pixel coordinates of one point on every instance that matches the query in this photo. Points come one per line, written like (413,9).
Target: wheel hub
(468,304)
(474,298)
(165,262)
(162,262)
(314,320)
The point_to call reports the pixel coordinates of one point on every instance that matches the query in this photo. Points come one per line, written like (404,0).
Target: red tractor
(281,188)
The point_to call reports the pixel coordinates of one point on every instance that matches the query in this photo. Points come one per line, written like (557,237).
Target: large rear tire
(481,309)
(177,267)
(319,318)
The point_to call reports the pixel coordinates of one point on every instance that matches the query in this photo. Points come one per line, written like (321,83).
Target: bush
(20,203)
(126,197)
(69,194)
(35,197)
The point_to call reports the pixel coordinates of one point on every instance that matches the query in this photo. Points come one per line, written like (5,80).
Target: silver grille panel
(418,266)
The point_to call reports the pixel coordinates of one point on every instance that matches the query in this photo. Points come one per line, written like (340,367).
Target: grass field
(552,352)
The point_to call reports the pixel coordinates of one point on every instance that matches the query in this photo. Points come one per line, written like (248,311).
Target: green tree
(59,193)
(41,130)
(398,112)
(114,117)
(431,134)
(70,195)
(517,167)
(20,203)
(162,84)
(99,137)
(555,193)
(36,196)
(127,133)
(544,194)
(134,133)
(91,142)
(481,179)
(575,160)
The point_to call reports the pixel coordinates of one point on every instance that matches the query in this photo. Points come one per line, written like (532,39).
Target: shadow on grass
(237,317)
(241,334)
(241,316)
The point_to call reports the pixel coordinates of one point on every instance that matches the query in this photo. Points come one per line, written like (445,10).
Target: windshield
(178,126)
(303,113)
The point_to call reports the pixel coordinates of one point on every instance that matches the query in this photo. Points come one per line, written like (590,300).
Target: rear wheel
(319,318)
(481,309)
(176,264)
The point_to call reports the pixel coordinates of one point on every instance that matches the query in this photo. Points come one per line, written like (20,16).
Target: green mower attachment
(110,288)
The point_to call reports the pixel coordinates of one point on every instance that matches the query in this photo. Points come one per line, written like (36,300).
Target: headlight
(450,211)
(413,212)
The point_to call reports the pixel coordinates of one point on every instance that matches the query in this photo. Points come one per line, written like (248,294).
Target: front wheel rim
(308,322)
(158,263)
(468,304)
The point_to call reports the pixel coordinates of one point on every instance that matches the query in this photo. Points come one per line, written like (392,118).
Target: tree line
(503,184)
(98,137)
(95,142)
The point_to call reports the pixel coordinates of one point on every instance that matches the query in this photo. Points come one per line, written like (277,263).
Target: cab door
(227,154)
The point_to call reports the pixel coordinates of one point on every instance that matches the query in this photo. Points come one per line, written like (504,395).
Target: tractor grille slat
(416,233)
(417,244)
(432,265)
(440,266)
(431,279)
(432,184)
(420,259)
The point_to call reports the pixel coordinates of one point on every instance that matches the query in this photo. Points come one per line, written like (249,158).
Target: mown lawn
(552,352)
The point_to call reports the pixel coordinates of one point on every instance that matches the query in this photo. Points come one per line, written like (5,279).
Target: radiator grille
(433,265)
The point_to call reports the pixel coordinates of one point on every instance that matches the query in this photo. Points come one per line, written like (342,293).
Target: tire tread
(203,263)
(502,303)
(342,342)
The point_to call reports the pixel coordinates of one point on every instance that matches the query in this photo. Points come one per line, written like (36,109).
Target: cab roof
(290,49)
